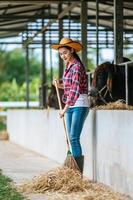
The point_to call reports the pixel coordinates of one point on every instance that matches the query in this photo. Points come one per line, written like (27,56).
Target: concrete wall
(107,141)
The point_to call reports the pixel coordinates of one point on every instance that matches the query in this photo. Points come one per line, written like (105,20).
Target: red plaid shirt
(75,82)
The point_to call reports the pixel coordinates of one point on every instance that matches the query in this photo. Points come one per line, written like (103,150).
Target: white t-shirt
(82,101)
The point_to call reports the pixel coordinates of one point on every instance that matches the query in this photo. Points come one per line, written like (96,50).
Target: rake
(70,161)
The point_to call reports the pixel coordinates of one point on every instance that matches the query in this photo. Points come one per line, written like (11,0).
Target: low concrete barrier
(107,141)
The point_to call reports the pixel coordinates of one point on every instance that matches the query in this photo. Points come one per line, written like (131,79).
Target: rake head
(71,163)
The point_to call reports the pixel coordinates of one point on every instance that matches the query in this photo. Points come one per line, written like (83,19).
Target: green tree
(11,91)
(12,66)
(12,75)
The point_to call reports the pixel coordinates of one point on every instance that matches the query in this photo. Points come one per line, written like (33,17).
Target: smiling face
(66,54)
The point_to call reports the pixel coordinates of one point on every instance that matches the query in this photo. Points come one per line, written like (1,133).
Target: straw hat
(67,42)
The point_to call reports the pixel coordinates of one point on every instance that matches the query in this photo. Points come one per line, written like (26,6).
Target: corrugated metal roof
(16,15)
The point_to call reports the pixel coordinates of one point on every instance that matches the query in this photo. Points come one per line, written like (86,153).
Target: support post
(84,32)
(118,31)
(43,73)
(97,32)
(27,74)
(60,37)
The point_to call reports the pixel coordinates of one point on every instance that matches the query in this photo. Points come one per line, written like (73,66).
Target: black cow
(109,83)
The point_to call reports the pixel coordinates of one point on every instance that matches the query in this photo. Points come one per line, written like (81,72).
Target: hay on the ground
(65,183)
(61,179)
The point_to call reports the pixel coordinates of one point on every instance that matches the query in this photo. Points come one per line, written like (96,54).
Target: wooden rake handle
(60,106)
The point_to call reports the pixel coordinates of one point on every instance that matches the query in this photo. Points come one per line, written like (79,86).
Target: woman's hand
(59,85)
(62,112)
(55,80)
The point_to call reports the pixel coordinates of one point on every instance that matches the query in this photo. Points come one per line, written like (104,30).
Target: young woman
(75,94)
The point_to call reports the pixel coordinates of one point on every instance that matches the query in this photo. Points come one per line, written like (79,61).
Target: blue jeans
(75,118)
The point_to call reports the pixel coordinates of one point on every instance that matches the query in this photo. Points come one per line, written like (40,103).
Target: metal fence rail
(16,104)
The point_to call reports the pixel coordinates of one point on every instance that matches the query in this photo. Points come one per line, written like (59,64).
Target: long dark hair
(75,55)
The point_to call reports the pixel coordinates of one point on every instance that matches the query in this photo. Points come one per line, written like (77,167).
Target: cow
(108,83)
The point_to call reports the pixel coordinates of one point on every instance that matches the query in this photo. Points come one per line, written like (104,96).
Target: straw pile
(61,179)
(117,105)
(67,184)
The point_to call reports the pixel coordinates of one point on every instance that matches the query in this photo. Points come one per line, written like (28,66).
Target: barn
(107,136)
